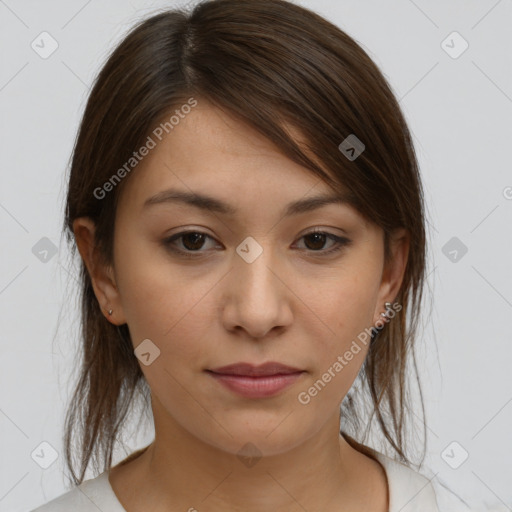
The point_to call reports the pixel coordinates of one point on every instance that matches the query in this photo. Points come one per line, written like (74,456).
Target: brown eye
(315,242)
(192,243)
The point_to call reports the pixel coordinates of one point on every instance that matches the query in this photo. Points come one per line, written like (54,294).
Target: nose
(257,298)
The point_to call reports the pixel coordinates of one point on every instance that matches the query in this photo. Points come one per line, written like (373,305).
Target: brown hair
(273,65)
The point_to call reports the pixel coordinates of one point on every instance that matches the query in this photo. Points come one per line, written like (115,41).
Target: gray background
(459,110)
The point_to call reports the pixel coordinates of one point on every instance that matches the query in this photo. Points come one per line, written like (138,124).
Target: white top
(409,491)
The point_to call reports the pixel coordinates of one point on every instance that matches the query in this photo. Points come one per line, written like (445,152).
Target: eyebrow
(205,202)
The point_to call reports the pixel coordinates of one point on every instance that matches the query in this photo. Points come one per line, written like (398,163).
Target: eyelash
(340,243)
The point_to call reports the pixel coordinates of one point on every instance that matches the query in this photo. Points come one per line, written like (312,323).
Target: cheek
(166,304)
(346,306)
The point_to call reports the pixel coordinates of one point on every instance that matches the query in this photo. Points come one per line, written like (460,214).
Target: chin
(265,439)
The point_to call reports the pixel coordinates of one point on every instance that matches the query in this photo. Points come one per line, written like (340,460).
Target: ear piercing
(388,308)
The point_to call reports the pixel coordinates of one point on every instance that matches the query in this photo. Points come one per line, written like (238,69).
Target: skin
(290,305)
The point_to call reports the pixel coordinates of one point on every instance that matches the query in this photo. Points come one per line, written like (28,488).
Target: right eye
(191,242)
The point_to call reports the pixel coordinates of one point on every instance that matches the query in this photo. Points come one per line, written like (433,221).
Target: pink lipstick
(253,381)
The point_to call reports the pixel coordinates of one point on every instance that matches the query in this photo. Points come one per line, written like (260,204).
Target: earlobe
(102,276)
(394,270)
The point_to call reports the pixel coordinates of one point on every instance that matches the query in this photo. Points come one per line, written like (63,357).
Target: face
(210,288)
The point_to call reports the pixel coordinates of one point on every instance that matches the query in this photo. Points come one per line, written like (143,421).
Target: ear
(102,276)
(393,272)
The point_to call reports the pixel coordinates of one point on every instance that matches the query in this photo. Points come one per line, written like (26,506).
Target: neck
(180,472)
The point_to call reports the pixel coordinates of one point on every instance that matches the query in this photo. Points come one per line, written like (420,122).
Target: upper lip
(248,369)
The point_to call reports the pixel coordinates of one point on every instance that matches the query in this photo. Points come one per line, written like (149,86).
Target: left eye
(319,238)
(193,241)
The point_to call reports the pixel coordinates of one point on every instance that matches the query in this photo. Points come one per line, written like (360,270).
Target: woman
(245,198)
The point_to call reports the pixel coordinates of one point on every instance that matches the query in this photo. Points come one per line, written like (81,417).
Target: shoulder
(409,491)
(72,500)
(90,496)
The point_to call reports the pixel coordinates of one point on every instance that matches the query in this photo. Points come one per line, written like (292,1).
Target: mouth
(252,381)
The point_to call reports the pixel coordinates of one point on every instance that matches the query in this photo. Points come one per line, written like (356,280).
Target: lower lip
(256,387)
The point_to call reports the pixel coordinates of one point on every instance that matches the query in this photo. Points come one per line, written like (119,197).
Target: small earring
(110,311)
(388,308)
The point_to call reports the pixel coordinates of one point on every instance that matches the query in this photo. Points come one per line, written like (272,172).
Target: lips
(249,370)
(250,381)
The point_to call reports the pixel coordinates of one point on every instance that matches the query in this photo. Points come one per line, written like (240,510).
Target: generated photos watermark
(165,127)
(304,397)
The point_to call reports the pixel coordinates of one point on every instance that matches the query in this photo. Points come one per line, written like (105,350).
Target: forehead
(211,151)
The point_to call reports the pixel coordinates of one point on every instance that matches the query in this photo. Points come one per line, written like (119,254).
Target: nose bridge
(257,299)
(253,272)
